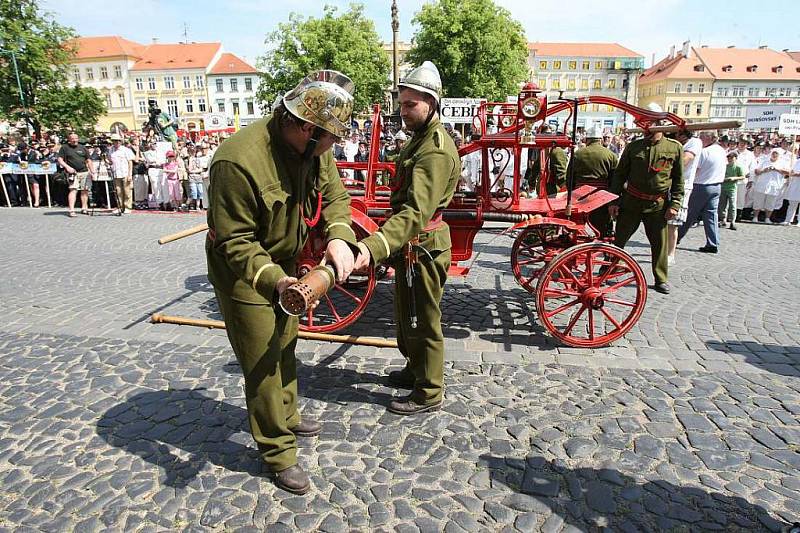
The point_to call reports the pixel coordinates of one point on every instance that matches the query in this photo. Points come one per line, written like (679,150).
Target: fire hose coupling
(299,297)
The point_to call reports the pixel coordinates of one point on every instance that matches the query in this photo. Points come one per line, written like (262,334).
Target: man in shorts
(74,159)
(692,146)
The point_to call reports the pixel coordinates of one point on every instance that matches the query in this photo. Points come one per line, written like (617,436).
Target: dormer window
(727,68)
(700,68)
(777,69)
(752,68)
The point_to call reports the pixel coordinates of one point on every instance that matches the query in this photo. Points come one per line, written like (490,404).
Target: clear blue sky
(646,27)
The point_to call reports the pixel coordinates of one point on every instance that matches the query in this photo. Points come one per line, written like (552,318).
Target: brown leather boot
(293,480)
(407,406)
(307,428)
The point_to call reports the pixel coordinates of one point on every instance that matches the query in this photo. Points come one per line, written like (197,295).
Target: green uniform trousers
(422,346)
(601,220)
(264,342)
(655,227)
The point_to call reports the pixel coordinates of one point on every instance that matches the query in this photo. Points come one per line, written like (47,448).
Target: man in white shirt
(471,167)
(747,160)
(704,200)
(692,146)
(122,158)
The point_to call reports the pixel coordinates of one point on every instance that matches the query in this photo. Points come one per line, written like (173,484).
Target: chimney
(731,46)
(672,51)
(653,59)
(763,47)
(155,40)
(685,50)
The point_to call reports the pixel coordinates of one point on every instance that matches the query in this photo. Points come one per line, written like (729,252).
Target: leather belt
(636,193)
(435,223)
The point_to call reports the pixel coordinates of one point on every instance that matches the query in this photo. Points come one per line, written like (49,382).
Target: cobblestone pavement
(108,422)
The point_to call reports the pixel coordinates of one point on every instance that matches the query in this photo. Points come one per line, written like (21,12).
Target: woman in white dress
(769,181)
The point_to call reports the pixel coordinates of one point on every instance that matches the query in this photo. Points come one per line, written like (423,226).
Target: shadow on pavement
(781,360)
(594,499)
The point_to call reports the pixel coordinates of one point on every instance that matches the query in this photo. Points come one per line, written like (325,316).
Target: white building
(232,86)
(584,69)
(103,63)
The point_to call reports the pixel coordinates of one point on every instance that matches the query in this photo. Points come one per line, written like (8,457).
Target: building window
(90,73)
(251,108)
(698,109)
(220,86)
(571,84)
(169,82)
(76,73)
(248,84)
(139,84)
(117,72)
(556,65)
(221,106)
(108,101)
(573,65)
(585,65)
(189,105)
(103,73)
(676,88)
(199,81)
(701,87)
(585,84)
(172,108)
(555,84)
(595,108)
(187,82)
(122,102)
(201,105)
(722,91)
(753,91)
(736,111)
(598,65)
(771,91)
(784,91)
(612,83)
(690,87)
(151,83)
(235,107)
(542,65)
(687,108)
(738,91)
(142,105)
(543,83)
(598,83)
(234,85)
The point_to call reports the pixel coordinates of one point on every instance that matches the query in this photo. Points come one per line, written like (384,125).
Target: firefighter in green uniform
(594,165)
(270,183)
(556,167)
(649,181)
(428,169)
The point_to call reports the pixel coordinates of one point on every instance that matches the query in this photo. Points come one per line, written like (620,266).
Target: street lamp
(16,72)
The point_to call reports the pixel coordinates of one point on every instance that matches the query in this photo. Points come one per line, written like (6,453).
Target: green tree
(347,43)
(71,108)
(480,50)
(43,50)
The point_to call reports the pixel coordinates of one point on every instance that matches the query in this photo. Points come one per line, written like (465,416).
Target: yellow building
(175,76)
(104,63)
(680,83)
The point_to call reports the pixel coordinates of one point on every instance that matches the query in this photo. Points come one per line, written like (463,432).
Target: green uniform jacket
(427,171)
(652,168)
(595,162)
(256,229)
(557,172)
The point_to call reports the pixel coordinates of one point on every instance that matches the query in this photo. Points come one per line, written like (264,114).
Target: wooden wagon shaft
(157,318)
(181,234)
(695,126)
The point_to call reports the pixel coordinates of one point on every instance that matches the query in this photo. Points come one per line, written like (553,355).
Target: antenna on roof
(185,33)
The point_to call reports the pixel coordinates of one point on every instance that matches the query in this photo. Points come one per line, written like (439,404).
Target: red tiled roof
(107,46)
(177,56)
(741,61)
(581,50)
(794,55)
(231,64)
(676,67)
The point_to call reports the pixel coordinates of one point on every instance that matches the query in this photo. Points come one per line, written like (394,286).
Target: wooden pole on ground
(181,234)
(157,318)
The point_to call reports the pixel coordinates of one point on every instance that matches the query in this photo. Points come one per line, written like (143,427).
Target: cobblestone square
(111,423)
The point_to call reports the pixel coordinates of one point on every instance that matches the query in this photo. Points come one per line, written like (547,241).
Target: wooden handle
(157,318)
(695,126)
(181,234)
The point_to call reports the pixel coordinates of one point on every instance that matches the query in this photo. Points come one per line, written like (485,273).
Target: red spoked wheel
(591,294)
(345,302)
(533,249)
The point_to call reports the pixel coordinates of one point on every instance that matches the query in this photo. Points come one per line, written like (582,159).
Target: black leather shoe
(708,249)
(732,227)
(307,428)
(407,406)
(663,288)
(401,378)
(293,480)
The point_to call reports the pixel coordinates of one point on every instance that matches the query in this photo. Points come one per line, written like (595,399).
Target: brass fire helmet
(425,78)
(324,98)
